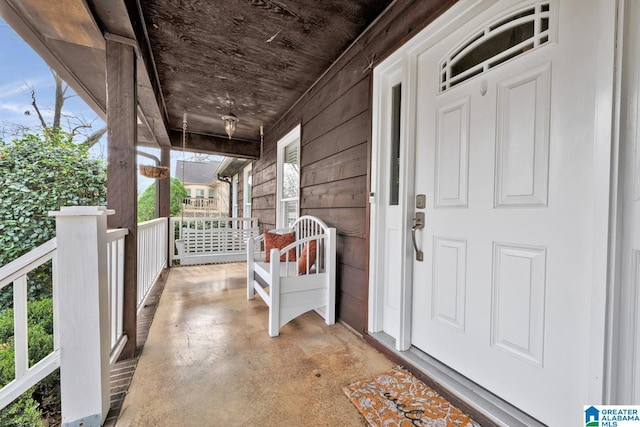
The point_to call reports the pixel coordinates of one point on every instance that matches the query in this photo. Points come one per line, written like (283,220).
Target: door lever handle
(418,224)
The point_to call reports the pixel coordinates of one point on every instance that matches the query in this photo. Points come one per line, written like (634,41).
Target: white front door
(505,141)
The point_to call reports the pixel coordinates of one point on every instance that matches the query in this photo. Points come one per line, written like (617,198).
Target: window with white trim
(288,178)
(246,194)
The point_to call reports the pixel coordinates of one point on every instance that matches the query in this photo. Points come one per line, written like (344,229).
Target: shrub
(24,410)
(38,175)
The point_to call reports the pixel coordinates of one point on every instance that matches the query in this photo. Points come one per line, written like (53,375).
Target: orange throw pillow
(273,240)
(302,261)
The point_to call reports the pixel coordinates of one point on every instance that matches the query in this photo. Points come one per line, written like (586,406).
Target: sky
(21,69)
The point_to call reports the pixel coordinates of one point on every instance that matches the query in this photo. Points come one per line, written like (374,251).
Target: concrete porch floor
(209,361)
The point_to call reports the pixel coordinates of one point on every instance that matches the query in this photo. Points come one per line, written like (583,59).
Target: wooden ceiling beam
(123,19)
(139,28)
(212,144)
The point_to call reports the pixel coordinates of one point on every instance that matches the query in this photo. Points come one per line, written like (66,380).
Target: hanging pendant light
(230,120)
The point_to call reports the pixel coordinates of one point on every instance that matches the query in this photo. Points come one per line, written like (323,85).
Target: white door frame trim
(377,215)
(621,351)
(605,191)
(458,14)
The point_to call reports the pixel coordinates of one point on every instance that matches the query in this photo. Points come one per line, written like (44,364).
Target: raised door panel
(452,154)
(522,139)
(449,281)
(518,301)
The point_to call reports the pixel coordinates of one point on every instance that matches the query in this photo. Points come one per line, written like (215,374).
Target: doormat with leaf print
(397,398)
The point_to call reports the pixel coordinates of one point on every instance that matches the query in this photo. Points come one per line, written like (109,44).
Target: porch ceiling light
(230,120)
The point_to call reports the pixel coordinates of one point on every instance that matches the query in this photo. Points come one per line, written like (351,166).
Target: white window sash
(288,152)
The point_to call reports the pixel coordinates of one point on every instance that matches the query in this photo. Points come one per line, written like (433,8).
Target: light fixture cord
(184,141)
(261,139)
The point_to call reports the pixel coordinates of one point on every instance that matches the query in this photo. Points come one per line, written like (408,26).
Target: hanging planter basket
(155,172)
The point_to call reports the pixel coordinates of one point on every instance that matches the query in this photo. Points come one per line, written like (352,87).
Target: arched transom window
(496,43)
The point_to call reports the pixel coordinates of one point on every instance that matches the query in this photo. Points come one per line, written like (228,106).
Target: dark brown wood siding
(335,118)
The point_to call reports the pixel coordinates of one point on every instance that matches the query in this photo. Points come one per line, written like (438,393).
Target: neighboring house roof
(196,172)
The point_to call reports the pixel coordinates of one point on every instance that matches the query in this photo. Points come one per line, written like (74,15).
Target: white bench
(288,291)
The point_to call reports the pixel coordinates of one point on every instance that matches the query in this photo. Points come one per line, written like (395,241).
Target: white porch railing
(73,312)
(152,255)
(210,240)
(200,203)
(16,273)
(115,277)
(87,262)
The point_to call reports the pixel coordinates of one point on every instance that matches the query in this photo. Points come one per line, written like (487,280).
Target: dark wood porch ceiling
(265,54)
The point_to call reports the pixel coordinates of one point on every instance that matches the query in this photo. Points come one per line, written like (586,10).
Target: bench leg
(274,311)
(250,284)
(274,296)
(274,328)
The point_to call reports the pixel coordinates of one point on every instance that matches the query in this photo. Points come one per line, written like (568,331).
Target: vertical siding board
(335,158)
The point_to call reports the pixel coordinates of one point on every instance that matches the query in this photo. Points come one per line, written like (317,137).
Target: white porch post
(84,314)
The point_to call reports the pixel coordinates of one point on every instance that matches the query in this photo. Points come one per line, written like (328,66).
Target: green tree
(75,125)
(37,175)
(147,200)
